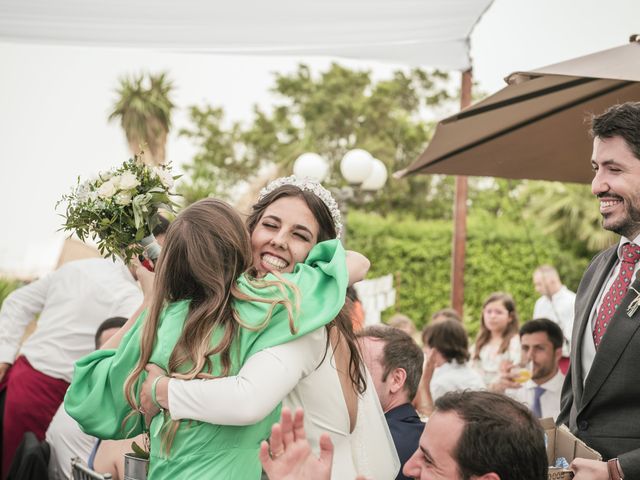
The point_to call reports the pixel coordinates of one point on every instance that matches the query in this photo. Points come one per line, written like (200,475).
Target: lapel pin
(635,303)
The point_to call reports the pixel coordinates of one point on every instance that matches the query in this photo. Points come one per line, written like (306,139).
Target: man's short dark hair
(448,337)
(400,351)
(551,328)
(500,436)
(621,120)
(113,322)
(162,226)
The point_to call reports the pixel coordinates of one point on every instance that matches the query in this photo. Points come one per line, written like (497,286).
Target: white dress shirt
(560,309)
(67,441)
(453,376)
(588,347)
(72,303)
(549,400)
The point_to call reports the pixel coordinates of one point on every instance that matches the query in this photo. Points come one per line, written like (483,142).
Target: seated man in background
(446,347)
(541,343)
(394,360)
(471,435)
(480,436)
(64,436)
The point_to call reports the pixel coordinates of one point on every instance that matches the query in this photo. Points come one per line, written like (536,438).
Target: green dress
(203,450)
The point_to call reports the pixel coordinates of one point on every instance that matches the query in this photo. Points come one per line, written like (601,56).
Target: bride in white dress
(322,372)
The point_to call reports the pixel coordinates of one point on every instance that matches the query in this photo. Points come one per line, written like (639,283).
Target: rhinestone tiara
(308,185)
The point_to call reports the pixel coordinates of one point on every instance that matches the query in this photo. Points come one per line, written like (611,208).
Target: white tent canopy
(414,32)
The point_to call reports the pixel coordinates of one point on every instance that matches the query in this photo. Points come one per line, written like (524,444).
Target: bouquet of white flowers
(119,209)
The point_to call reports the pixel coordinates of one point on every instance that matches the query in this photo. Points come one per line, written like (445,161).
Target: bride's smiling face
(283,236)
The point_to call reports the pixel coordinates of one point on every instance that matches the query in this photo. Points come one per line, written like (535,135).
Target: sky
(54,102)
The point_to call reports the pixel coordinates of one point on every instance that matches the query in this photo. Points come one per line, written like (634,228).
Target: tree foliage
(144,108)
(569,212)
(330,113)
(501,255)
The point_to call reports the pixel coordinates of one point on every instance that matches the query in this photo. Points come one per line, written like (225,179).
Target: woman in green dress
(205,319)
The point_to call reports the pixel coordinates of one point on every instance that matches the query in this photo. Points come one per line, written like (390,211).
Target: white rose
(128,181)
(123,198)
(107,189)
(164,176)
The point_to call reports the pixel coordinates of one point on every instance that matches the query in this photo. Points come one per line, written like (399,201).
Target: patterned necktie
(613,298)
(536,408)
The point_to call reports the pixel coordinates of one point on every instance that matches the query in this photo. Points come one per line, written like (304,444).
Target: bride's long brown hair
(206,249)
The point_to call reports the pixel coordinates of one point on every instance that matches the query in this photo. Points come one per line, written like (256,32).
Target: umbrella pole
(460,215)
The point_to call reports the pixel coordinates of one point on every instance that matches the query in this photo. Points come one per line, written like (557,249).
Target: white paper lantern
(311,165)
(356,165)
(377,178)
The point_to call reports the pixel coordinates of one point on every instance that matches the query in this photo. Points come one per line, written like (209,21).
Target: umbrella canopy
(427,32)
(537,126)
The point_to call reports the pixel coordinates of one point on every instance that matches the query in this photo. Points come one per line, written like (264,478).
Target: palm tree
(144,109)
(570,212)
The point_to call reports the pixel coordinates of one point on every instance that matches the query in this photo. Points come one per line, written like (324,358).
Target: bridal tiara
(308,185)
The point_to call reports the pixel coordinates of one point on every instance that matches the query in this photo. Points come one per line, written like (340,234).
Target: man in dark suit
(601,394)
(395,360)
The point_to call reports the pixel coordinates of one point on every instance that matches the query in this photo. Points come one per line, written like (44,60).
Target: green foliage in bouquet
(120,207)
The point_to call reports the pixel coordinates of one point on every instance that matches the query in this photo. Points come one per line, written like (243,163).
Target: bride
(322,371)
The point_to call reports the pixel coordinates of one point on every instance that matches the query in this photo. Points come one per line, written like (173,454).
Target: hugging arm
(357,266)
(244,399)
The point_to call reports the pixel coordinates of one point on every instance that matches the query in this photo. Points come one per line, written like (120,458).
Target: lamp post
(358,167)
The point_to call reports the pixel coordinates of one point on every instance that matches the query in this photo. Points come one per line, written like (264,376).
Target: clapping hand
(288,456)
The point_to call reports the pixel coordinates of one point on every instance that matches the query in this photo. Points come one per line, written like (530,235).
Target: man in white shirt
(556,303)
(64,436)
(541,344)
(70,304)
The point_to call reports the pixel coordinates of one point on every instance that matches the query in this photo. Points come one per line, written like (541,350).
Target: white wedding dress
(300,373)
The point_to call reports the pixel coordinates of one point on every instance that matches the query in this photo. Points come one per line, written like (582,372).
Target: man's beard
(629,225)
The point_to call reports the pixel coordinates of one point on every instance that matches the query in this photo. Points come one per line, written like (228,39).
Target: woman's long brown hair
(327,231)
(206,249)
(484,335)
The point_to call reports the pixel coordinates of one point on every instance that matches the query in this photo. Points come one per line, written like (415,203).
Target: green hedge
(6,287)
(499,256)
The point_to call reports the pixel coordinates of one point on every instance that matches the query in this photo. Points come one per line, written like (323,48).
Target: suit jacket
(604,410)
(405,427)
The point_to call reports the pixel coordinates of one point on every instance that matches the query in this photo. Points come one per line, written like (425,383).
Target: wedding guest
(70,304)
(205,319)
(447,368)
(445,314)
(600,395)
(556,303)
(395,362)
(471,435)
(479,435)
(497,340)
(402,322)
(541,344)
(65,439)
(322,371)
